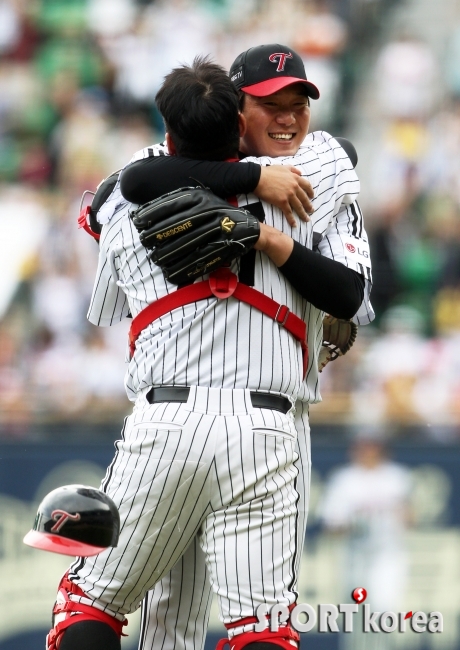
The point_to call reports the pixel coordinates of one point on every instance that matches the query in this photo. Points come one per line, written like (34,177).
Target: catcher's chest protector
(222,283)
(157,223)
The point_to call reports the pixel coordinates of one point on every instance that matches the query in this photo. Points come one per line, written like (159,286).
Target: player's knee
(80,626)
(90,635)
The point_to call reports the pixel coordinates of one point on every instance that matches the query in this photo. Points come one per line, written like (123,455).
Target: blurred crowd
(410,371)
(77,82)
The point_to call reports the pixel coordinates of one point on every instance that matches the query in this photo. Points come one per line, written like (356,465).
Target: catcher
(260,242)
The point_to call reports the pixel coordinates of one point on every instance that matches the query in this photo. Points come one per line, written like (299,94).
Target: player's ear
(170,144)
(242,124)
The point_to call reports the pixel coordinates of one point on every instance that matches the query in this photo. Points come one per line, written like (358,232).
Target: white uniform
(175,613)
(370,506)
(215,464)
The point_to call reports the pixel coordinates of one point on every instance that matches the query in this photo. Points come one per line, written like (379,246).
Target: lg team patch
(357,250)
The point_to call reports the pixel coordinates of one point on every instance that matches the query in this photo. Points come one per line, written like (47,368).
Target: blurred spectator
(364,17)
(390,368)
(57,372)
(16,20)
(110,17)
(76,377)
(447,310)
(161,36)
(23,227)
(443,160)
(367,502)
(407,237)
(15,412)
(405,378)
(9,26)
(452,56)
(80,142)
(57,304)
(406,74)
(102,381)
(135,71)
(35,165)
(436,394)
(320,38)
(384,244)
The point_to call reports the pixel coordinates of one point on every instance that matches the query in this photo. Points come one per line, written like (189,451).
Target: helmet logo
(60,517)
(281,57)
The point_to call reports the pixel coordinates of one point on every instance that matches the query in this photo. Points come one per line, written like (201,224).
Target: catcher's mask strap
(83,222)
(221,283)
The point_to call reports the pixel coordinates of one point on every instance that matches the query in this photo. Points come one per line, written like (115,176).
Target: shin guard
(67,612)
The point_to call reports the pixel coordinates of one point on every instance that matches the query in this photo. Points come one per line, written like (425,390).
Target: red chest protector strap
(222,284)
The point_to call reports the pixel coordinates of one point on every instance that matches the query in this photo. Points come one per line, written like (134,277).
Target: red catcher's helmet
(75,520)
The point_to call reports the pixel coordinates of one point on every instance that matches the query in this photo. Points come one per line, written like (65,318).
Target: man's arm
(147,179)
(325,283)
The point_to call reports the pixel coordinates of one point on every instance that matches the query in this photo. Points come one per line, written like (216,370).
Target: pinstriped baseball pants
(175,612)
(216,469)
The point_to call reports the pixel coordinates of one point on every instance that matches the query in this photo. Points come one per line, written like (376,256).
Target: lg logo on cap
(281,58)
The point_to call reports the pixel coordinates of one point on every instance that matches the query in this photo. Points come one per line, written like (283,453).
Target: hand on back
(285,188)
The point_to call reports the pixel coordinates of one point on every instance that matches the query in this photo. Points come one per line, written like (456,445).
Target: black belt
(181,393)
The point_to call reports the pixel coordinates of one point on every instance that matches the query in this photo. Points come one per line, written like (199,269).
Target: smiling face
(277,124)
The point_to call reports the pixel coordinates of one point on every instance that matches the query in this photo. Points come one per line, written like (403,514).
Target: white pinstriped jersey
(227,343)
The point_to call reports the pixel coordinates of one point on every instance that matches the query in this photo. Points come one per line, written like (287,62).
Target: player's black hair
(199,105)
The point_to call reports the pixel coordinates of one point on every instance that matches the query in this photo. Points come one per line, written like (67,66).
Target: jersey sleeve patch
(356,250)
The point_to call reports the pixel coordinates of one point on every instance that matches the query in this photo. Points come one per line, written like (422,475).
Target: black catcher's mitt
(191,231)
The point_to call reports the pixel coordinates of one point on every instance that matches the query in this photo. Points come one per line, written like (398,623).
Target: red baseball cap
(265,69)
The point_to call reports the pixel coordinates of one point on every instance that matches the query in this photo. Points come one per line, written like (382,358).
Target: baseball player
(115,582)
(367,503)
(175,613)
